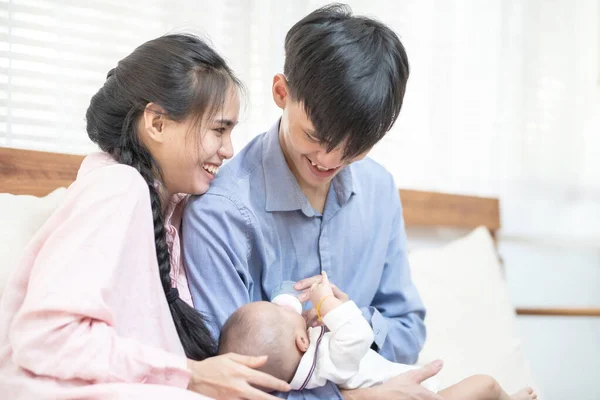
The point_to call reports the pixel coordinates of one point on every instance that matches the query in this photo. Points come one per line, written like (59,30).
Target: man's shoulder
(368,176)
(243,165)
(240,179)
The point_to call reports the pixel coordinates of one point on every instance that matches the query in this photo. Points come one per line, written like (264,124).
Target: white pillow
(470,320)
(21,217)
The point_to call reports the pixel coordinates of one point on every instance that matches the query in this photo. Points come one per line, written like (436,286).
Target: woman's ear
(154,119)
(302,342)
(280,90)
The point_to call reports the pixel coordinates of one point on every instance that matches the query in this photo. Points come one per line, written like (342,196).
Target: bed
(470,322)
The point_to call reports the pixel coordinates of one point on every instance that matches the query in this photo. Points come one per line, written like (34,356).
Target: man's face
(306,156)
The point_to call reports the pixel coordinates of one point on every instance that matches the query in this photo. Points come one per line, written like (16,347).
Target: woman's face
(190,154)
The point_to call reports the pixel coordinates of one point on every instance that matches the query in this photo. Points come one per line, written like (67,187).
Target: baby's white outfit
(344,356)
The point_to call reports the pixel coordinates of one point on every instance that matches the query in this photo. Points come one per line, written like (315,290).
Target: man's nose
(332,159)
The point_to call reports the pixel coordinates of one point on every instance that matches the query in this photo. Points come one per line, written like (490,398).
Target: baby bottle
(285,295)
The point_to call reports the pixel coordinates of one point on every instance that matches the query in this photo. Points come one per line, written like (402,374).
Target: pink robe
(84,314)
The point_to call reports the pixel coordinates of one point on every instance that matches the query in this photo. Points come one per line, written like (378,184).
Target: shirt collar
(282,190)
(176,202)
(343,185)
(308,362)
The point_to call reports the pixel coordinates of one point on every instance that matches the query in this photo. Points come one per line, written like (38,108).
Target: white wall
(564,351)
(503,101)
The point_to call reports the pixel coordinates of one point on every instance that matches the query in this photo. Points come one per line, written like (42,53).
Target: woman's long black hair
(185,77)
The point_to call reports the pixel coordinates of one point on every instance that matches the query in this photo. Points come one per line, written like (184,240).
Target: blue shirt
(255,228)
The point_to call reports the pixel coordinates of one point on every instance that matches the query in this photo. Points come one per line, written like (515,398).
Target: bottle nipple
(288,301)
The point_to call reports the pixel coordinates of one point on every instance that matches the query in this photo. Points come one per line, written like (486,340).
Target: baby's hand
(320,289)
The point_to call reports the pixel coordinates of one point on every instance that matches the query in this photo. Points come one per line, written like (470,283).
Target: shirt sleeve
(397,312)
(330,391)
(216,249)
(65,328)
(350,337)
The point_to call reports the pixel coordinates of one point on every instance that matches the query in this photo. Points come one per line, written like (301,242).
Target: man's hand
(406,386)
(305,285)
(320,289)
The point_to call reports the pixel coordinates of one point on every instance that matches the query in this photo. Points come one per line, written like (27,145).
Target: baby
(309,358)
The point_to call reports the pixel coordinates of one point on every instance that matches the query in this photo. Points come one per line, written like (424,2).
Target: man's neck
(316,195)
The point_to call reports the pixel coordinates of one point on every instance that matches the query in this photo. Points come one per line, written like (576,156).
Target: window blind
(54,55)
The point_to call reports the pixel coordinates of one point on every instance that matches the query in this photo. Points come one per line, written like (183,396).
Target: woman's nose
(226,150)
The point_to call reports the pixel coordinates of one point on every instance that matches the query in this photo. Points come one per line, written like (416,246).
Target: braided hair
(186,77)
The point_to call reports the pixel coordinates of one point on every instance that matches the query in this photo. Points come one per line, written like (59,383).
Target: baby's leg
(483,387)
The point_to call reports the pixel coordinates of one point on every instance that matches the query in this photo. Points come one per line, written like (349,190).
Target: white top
(344,356)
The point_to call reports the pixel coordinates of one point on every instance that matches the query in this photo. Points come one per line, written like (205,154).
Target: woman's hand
(232,376)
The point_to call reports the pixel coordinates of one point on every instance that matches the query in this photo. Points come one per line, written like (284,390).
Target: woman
(94,310)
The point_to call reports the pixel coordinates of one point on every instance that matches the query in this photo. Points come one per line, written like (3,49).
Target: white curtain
(503,98)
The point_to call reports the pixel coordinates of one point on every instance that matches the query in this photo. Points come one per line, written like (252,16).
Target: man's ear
(280,90)
(302,342)
(154,121)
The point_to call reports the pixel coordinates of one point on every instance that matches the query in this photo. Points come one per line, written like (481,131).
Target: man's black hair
(350,74)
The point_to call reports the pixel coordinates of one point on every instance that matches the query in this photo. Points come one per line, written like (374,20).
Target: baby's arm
(322,297)
(350,334)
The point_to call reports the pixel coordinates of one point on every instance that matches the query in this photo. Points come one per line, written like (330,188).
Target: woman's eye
(220,130)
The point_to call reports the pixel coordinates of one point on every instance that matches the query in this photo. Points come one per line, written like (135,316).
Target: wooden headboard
(38,173)
(434,209)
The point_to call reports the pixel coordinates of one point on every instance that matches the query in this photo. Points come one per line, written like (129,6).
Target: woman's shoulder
(100,173)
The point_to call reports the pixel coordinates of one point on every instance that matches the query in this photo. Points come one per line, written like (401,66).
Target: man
(302,198)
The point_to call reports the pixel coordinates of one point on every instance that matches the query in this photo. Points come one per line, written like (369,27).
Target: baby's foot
(524,394)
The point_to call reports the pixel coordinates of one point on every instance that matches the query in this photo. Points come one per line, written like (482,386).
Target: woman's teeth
(319,167)
(213,169)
